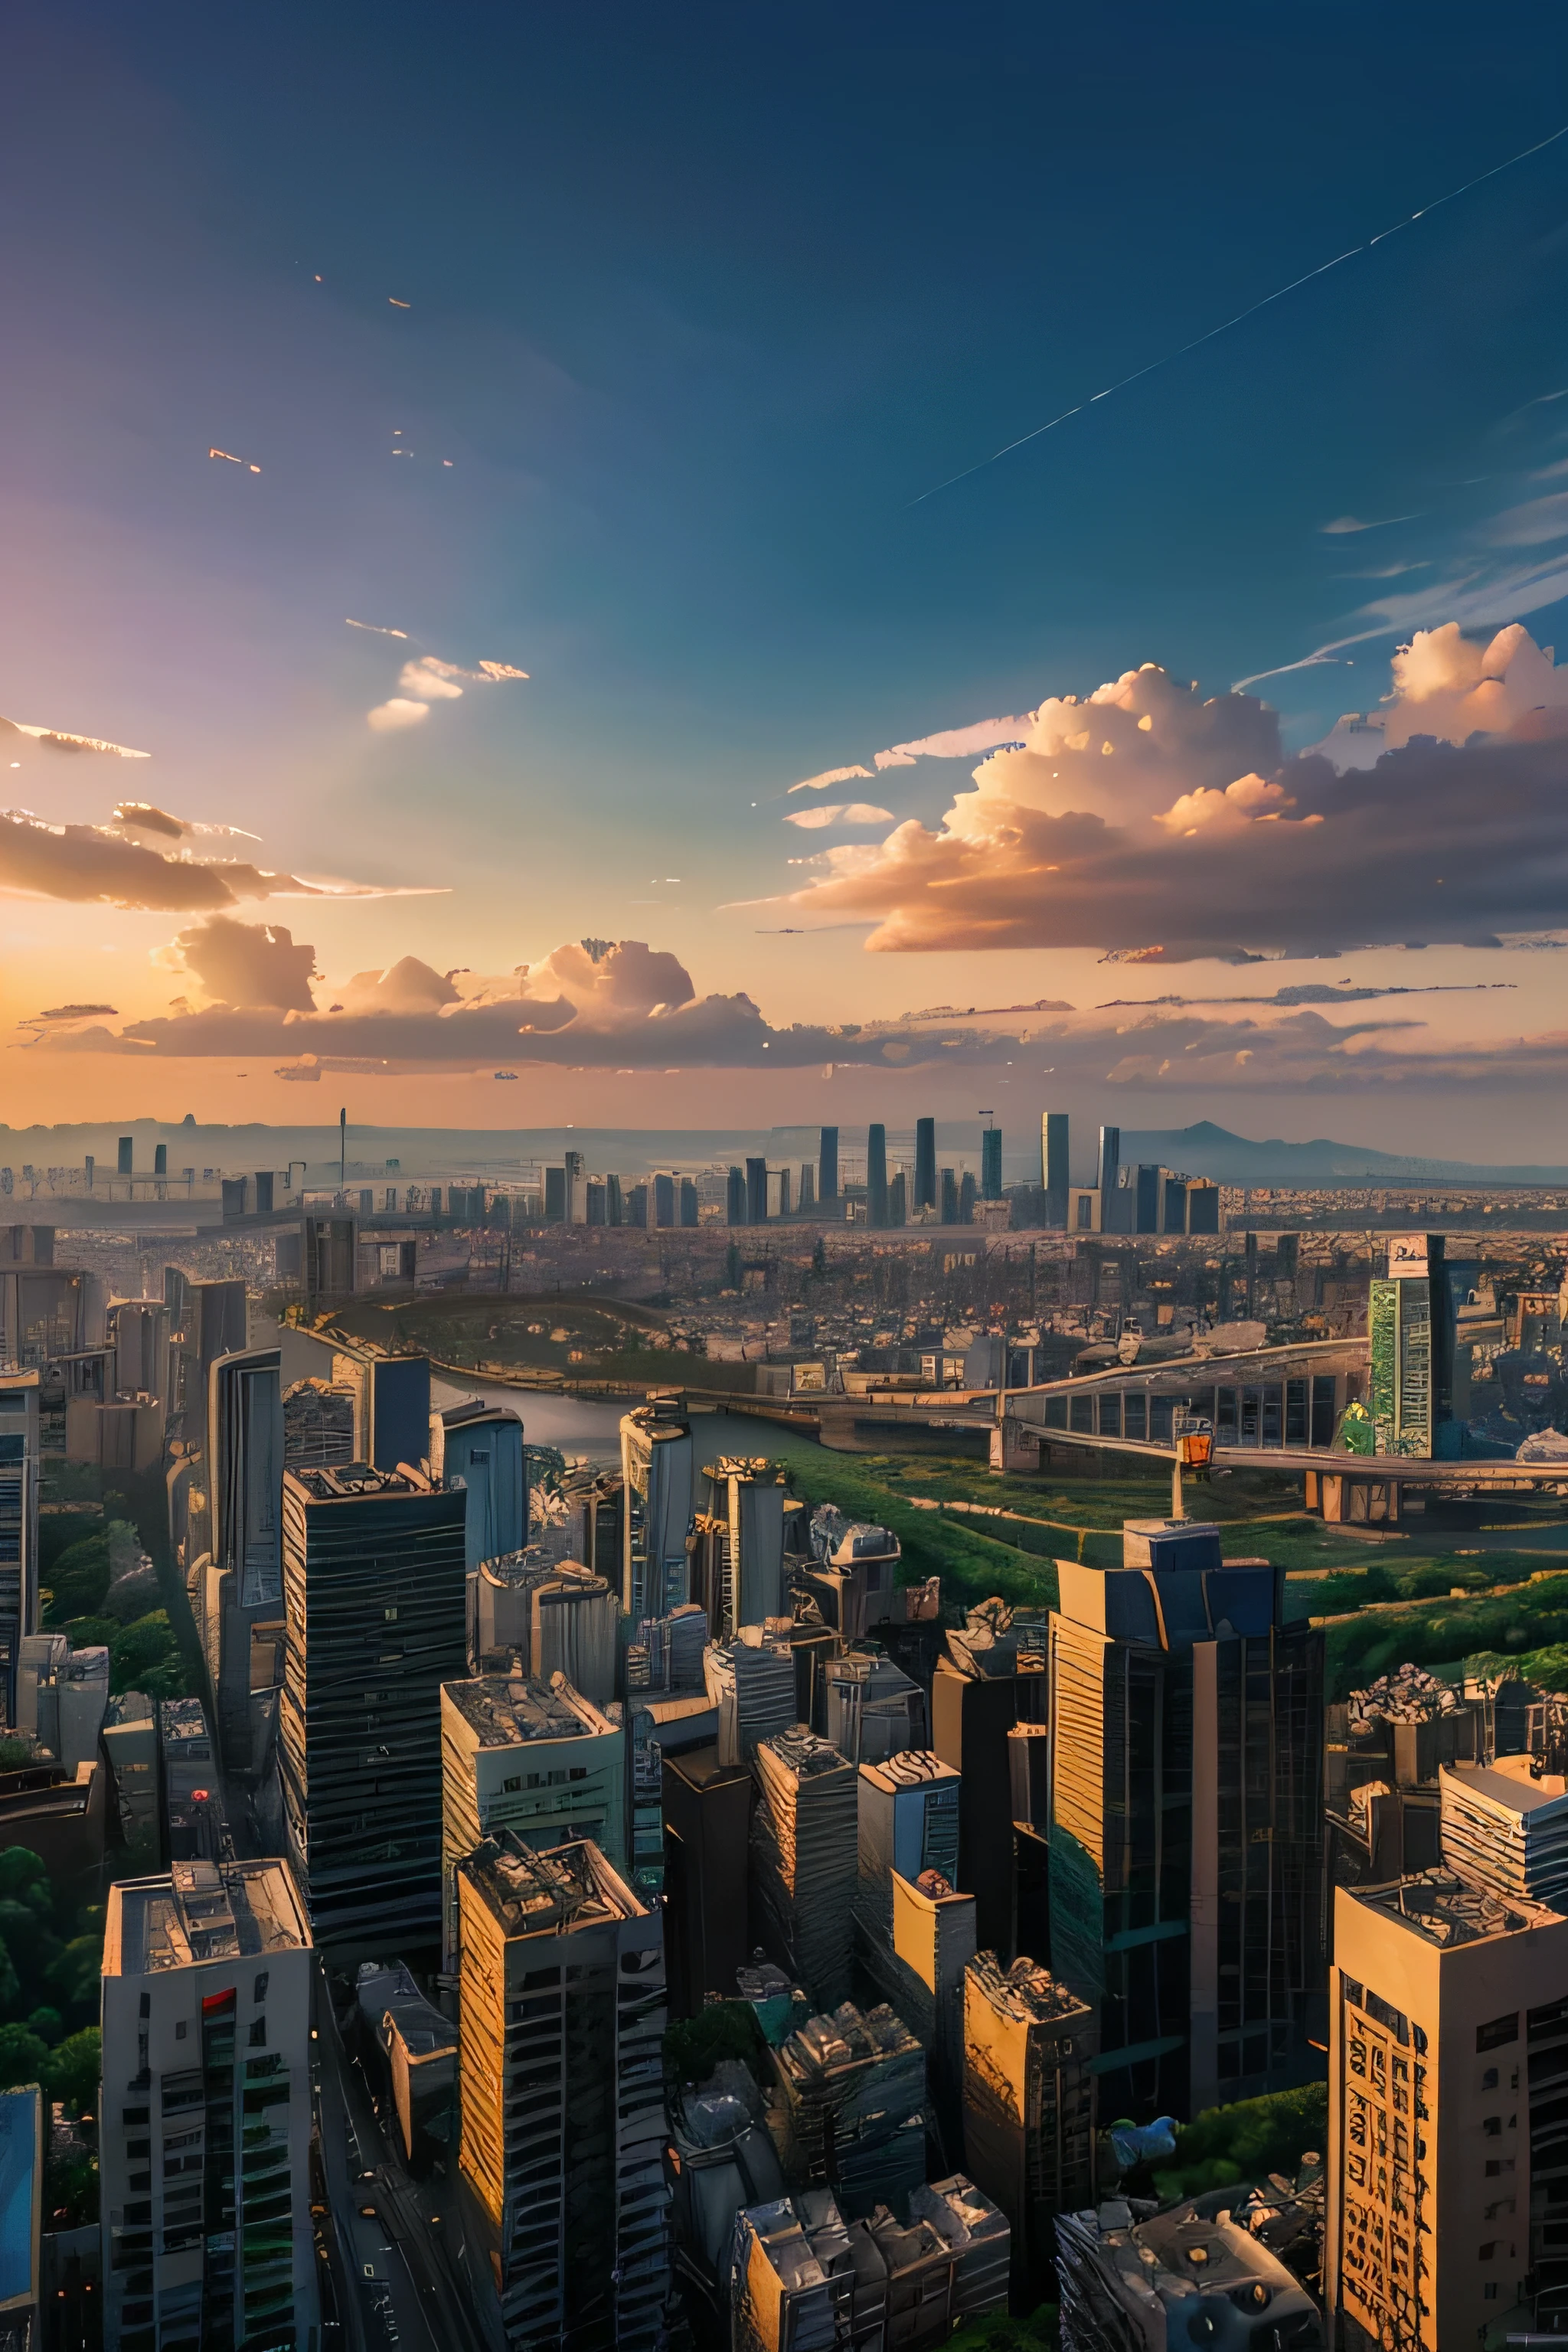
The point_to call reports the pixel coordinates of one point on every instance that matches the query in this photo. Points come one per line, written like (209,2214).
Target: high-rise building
(664,1200)
(735,1211)
(898,1199)
(851,2085)
(637,1207)
(614,1214)
(595,1216)
(877,1175)
(1447,2171)
(907,1821)
(1029,2111)
(827,1166)
(204,2111)
(751,1682)
(925,1163)
(20,1469)
(1146,1183)
(948,1197)
(555,1196)
(576,1200)
(986,1682)
(562,1995)
(871,1709)
(477,1448)
(803,1850)
(748,1496)
(1411,1324)
(657,1470)
(1187,2269)
(991,1163)
(1108,1173)
(966,1198)
(688,1203)
(1187,1820)
(1504,1829)
(530,1756)
(1055,1174)
(244,1446)
(808,1186)
(139,1330)
(373,1576)
(756,1192)
(707,1820)
(779,1202)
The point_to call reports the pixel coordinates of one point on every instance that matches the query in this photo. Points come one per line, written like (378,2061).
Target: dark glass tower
(877,1175)
(827,1165)
(925,1163)
(991,1163)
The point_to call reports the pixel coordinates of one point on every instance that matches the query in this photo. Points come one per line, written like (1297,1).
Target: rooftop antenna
(343,1148)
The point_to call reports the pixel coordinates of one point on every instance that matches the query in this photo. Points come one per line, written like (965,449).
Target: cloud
(1532,524)
(851,813)
(831,776)
(249,964)
(399,712)
(1453,687)
(1342,524)
(53,739)
(105,865)
(425,680)
(1144,822)
(957,743)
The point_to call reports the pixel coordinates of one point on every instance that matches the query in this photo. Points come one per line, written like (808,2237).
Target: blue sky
(699,302)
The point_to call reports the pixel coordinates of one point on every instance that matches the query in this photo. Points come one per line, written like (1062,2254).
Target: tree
(73,2072)
(23,2057)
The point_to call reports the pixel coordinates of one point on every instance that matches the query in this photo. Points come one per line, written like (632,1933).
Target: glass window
(1273,1413)
(1296,1418)
(1111,1414)
(1135,1415)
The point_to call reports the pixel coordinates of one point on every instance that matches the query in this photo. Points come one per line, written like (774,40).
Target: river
(591,1426)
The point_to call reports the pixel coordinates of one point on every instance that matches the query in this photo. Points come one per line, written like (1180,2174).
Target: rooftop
(1443,1910)
(353,1481)
(1511,1791)
(911,1768)
(548,1893)
(511,1710)
(202,1911)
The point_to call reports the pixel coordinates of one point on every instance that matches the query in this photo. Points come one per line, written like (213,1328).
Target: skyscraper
(245,1444)
(375,1577)
(756,1192)
(803,1835)
(991,1163)
(1187,1820)
(948,1197)
(664,1200)
(477,1448)
(1055,1172)
(898,1199)
(563,1993)
(204,2113)
(827,1166)
(575,1209)
(925,1163)
(735,1197)
(1028,2107)
(658,1471)
(749,1496)
(19,1475)
(877,1175)
(688,1202)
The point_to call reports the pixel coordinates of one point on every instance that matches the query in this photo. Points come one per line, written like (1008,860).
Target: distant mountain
(1206,1149)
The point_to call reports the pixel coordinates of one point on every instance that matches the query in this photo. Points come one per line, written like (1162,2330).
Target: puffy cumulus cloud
(406,986)
(388,717)
(1144,822)
(253,964)
(1453,687)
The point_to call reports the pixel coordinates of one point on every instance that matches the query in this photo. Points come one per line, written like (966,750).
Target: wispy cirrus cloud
(427,678)
(811,820)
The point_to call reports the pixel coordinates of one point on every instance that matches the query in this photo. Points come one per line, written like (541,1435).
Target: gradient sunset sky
(621,349)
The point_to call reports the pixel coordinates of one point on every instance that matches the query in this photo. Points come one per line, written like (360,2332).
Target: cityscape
(783,1178)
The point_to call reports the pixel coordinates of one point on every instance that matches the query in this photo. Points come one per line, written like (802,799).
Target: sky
(526,476)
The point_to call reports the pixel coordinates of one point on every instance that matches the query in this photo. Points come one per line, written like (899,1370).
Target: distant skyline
(481,458)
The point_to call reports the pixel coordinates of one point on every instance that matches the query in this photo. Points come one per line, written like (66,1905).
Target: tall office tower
(1172,1203)
(562,1998)
(991,1163)
(19,1473)
(735,1211)
(645,1801)
(872,1709)
(966,1198)
(1203,1205)
(1028,1767)
(756,1192)
(374,1578)
(1029,2110)
(991,1677)
(925,1163)
(138,1331)
(213,1324)
(613,1205)
(707,1811)
(664,1199)
(807,1185)
(898,1199)
(1448,2176)
(748,1496)
(827,1165)
(752,1682)
(948,1197)
(205,2110)
(576,1200)
(877,1175)
(1186,1831)
(1108,1170)
(329,1256)
(573,1618)
(477,1448)
(595,1216)
(1145,1187)
(778,1193)
(637,1207)
(1055,1174)
(803,1835)
(530,1756)
(906,1820)
(555,1196)
(658,1476)
(853,2087)
(1411,1323)
(1505,1831)
(688,1202)
(245,1449)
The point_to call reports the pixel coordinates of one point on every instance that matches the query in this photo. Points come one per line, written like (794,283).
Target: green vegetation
(695,2045)
(570,1334)
(1524,1628)
(155,1650)
(997,2333)
(1246,2141)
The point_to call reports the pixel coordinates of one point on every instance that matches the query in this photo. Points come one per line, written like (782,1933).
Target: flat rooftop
(1443,1910)
(1026,1991)
(552,1892)
(1509,1792)
(512,1710)
(353,1481)
(202,1911)
(911,1768)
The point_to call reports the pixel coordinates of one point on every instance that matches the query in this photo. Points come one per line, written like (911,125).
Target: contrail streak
(1226,325)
